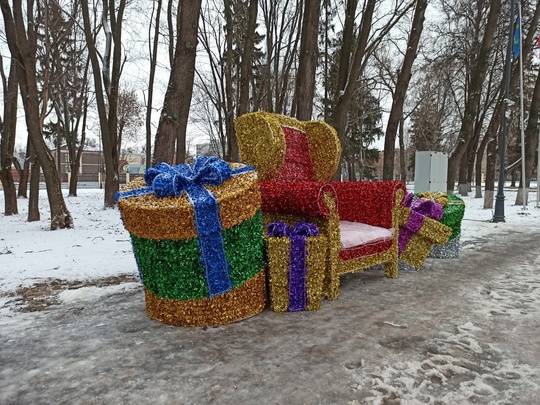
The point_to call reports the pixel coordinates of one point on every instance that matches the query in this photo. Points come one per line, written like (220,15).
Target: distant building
(204,149)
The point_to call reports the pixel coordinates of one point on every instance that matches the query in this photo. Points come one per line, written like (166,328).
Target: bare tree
(7,136)
(153,52)
(106,84)
(281,24)
(174,116)
(130,119)
(402,85)
(477,78)
(307,64)
(22,42)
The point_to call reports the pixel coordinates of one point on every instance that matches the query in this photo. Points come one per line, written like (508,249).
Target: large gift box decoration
(296,264)
(197,236)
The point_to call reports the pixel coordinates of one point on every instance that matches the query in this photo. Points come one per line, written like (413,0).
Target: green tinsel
(453,215)
(173,269)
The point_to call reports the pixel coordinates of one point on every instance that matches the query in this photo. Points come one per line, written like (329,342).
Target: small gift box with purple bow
(197,235)
(296,263)
(420,229)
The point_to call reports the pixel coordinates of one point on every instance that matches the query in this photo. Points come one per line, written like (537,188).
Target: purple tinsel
(419,210)
(297,263)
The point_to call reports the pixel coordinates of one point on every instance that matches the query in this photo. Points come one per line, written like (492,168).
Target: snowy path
(458,332)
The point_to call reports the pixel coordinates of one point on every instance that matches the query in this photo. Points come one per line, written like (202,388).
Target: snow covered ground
(460,331)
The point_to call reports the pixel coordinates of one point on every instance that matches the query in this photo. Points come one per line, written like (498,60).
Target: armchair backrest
(285,149)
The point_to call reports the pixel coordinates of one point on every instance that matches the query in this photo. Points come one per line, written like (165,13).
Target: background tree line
(427,74)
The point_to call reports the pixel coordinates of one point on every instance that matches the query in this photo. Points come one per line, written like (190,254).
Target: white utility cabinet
(430,171)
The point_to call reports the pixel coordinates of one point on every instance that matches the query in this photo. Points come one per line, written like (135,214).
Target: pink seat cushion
(356,234)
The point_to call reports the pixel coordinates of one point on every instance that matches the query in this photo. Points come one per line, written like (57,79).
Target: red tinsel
(297,165)
(367,202)
(366,250)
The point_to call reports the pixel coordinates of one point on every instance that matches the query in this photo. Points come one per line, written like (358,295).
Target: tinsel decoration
(296,258)
(295,160)
(263,144)
(219,247)
(420,229)
(453,213)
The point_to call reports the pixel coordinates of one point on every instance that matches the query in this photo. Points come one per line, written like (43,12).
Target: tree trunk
(174,116)
(151,80)
(402,165)
(7,137)
(488,136)
(462,182)
(107,119)
(22,48)
(531,140)
(247,57)
(402,85)
(33,201)
(490,173)
(307,64)
(475,91)
(343,104)
(232,145)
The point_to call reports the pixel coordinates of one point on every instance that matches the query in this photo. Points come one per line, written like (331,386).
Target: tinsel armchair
(295,161)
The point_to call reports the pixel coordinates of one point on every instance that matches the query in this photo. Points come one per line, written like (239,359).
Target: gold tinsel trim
(437,196)
(278,271)
(172,218)
(262,143)
(242,302)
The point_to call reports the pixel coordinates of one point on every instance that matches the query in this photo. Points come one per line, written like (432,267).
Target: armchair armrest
(371,203)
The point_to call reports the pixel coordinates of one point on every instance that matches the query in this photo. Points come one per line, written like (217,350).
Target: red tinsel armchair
(295,161)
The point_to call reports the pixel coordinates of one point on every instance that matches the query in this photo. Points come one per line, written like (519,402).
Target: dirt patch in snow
(44,294)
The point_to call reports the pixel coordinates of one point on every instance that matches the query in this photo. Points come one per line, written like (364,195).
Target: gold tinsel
(262,143)
(247,300)
(172,218)
(278,271)
(437,196)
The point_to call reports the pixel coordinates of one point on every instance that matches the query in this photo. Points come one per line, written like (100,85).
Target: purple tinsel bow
(420,209)
(297,263)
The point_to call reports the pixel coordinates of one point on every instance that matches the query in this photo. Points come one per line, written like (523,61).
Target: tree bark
(174,117)
(247,60)
(22,45)
(307,64)
(33,200)
(531,141)
(402,85)
(7,139)
(232,145)
(153,56)
(475,90)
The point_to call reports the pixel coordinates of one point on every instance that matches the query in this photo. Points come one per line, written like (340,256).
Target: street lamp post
(498,215)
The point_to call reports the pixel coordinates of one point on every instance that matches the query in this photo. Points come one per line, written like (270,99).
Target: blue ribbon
(297,261)
(164,180)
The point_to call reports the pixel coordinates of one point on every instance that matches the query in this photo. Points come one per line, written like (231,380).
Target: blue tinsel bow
(168,181)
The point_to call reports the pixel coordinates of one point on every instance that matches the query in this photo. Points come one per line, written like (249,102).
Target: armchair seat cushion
(359,239)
